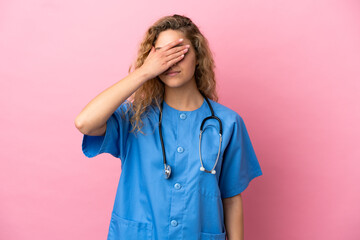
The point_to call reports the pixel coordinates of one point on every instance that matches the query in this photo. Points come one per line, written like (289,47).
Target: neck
(186,98)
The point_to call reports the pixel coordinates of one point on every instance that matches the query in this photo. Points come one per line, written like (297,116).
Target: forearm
(233,217)
(99,109)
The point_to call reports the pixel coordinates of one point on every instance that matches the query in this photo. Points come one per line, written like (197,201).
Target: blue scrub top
(188,205)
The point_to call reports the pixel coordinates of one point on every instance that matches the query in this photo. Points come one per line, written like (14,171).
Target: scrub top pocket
(121,228)
(212,236)
(209,183)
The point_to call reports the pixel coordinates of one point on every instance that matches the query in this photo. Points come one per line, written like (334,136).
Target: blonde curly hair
(151,93)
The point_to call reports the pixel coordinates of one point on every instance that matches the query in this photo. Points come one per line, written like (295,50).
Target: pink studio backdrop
(291,69)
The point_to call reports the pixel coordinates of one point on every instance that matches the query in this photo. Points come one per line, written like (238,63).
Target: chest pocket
(208,185)
(121,228)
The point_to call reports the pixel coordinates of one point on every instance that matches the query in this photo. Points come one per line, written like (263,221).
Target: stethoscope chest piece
(167,171)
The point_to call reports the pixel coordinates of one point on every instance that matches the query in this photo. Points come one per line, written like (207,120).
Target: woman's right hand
(158,61)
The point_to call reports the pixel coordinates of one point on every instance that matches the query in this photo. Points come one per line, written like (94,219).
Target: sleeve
(114,140)
(240,164)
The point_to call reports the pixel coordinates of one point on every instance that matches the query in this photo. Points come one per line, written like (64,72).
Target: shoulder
(125,109)
(226,114)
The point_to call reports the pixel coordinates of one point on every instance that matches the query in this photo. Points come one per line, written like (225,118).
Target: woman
(167,190)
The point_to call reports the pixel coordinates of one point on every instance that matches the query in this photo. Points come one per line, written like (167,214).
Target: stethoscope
(167,168)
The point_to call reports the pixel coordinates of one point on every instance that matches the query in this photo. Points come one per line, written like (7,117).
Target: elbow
(85,128)
(80,125)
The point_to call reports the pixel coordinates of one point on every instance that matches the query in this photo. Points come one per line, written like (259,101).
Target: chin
(173,85)
(174,82)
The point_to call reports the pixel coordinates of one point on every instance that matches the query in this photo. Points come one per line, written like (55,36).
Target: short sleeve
(240,164)
(114,140)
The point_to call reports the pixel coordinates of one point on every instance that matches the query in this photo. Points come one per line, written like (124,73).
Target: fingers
(176,54)
(171,44)
(166,56)
(175,60)
(177,49)
(152,50)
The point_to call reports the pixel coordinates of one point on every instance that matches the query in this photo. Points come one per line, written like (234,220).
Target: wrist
(142,74)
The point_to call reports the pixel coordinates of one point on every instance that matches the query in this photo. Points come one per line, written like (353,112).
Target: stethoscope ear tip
(203,170)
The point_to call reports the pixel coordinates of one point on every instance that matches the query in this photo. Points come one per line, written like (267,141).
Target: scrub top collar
(171,110)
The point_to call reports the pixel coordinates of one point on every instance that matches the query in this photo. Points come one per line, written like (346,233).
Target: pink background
(291,69)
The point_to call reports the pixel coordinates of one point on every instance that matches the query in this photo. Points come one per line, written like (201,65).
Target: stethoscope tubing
(167,168)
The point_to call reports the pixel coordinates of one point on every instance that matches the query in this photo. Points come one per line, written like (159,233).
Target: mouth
(172,73)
